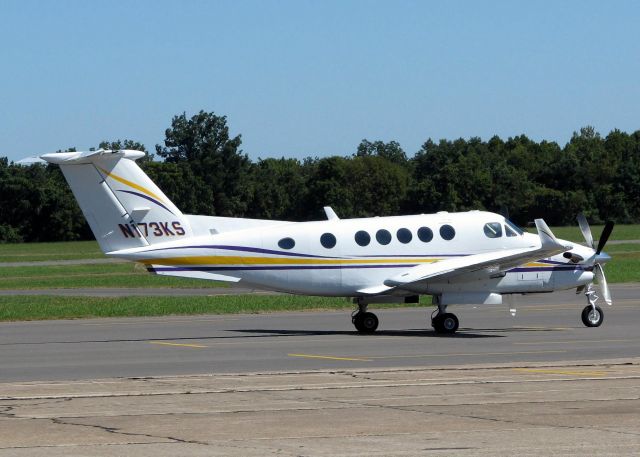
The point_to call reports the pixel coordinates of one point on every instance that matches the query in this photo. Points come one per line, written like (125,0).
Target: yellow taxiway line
(416,356)
(163,343)
(463,354)
(329,357)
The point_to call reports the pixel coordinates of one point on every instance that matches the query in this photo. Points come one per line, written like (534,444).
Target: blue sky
(313,78)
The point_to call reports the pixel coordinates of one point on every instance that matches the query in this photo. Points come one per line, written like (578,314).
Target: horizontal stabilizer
(164,271)
(70,158)
(30,161)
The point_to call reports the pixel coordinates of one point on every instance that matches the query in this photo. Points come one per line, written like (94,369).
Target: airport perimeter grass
(572,233)
(65,250)
(53,307)
(120,275)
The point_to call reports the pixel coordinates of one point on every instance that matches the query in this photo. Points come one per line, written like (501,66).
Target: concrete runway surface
(299,384)
(523,409)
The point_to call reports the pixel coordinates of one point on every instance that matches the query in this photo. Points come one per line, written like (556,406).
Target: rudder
(123,207)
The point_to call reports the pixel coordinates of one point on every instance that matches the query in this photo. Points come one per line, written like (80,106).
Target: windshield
(517,229)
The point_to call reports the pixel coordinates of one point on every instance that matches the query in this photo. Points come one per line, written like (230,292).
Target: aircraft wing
(493,262)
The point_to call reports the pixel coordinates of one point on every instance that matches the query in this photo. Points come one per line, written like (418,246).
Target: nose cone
(603,258)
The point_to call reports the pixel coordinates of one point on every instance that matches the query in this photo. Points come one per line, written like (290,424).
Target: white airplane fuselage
(255,256)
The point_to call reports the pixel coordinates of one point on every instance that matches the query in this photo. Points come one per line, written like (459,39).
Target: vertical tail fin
(123,207)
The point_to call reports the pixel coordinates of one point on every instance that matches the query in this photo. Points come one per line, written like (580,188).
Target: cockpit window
(509,232)
(493,229)
(513,226)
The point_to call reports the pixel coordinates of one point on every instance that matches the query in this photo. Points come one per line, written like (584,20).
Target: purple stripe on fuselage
(246,249)
(297,254)
(409,255)
(335,267)
(287,267)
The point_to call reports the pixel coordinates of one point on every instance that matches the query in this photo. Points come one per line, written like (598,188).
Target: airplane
(472,257)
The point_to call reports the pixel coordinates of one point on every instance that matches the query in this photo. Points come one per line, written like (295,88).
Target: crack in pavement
(9,411)
(494,419)
(117,431)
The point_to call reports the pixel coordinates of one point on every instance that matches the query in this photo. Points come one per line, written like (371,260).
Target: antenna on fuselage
(331,214)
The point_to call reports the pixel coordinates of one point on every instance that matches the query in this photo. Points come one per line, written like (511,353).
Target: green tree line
(202,169)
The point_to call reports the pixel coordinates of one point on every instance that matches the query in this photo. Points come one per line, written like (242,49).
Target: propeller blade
(586,230)
(606,232)
(606,293)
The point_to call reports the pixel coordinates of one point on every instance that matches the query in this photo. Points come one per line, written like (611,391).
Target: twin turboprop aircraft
(472,257)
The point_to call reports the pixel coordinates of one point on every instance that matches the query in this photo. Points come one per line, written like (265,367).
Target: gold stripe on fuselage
(242,260)
(247,260)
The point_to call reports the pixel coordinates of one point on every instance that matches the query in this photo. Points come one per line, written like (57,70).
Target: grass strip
(53,307)
(123,281)
(573,233)
(125,275)
(623,247)
(65,250)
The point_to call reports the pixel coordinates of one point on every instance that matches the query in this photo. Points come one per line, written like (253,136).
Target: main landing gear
(364,321)
(592,315)
(443,322)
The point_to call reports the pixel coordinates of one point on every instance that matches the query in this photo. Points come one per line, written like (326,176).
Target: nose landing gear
(592,315)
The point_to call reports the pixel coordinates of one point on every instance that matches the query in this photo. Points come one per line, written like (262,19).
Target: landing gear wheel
(365,322)
(591,317)
(445,323)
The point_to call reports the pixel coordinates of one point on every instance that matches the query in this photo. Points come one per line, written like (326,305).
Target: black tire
(446,323)
(357,321)
(590,319)
(365,322)
(436,323)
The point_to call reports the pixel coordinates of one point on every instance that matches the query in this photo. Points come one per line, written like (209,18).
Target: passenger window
(425,234)
(383,236)
(362,238)
(404,235)
(328,240)
(509,232)
(286,243)
(494,229)
(447,232)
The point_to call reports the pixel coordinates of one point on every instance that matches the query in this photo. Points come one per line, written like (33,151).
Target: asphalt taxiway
(546,328)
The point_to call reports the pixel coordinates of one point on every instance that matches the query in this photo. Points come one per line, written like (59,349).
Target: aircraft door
(328,274)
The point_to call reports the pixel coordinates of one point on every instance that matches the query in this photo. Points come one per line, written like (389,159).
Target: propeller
(604,237)
(598,260)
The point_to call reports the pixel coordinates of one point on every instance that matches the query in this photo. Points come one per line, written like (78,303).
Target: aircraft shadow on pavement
(274,333)
(408,333)
(464,333)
